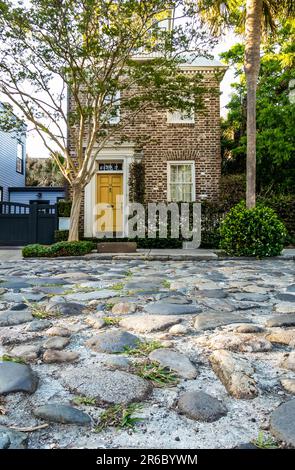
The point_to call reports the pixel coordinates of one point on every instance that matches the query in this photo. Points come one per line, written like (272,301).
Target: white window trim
(181,162)
(175,118)
(117,118)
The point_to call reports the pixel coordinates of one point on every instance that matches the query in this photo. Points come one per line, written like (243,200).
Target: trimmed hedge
(212,215)
(64,208)
(58,249)
(256,232)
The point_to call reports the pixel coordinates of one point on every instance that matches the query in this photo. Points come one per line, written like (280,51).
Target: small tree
(85,51)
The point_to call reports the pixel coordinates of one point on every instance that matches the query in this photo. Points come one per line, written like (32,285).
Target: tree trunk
(75,213)
(252,66)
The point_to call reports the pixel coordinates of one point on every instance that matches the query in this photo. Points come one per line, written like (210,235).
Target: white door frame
(122,154)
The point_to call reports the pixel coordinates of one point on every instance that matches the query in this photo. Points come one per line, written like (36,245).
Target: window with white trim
(20,159)
(113,104)
(181,181)
(181,117)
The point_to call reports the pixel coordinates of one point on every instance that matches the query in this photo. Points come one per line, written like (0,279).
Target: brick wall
(162,142)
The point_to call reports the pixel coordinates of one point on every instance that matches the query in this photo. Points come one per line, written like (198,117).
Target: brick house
(181,157)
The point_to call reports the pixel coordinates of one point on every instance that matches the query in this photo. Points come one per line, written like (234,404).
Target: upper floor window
(1,194)
(113,105)
(181,117)
(20,158)
(181,181)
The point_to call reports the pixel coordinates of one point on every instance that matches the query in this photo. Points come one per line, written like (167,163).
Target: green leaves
(254,232)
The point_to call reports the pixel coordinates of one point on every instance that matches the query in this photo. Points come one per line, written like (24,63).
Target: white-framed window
(20,158)
(114,112)
(181,117)
(181,181)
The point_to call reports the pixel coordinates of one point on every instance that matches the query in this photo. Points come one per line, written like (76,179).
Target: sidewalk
(10,253)
(14,254)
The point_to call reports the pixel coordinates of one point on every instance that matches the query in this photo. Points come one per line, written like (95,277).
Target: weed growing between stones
(112,321)
(119,416)
(155,373)
(143,348)
(119,286)
(109,305)
(166,284)
(263,442)
(88,401)
(39,312)
(8,358)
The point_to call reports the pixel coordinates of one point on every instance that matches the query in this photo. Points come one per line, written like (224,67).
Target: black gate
(22,224)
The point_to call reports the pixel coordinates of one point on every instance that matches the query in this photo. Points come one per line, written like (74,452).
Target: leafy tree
(85,51)
(255,18)
(43,172)
(275,115)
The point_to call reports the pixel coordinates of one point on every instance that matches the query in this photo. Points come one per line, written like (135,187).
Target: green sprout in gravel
(112,321)
(263,442)
(119,416)
(166,284)
(109,306)
(143,348)
(8,358)
(39,312)
(155,373)
(118,286)
(88,401)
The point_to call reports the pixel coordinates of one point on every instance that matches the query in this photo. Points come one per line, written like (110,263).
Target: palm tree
(256,18)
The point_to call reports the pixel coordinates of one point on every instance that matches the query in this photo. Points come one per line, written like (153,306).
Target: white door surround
(120,154)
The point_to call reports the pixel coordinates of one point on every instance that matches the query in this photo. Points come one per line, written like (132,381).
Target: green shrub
(61,235)
(252,232)
(58,249)
(35,250)
(64,208)
(284,207)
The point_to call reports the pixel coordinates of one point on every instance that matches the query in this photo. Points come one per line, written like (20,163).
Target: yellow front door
(110,196)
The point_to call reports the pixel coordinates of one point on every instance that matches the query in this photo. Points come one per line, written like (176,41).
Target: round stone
(201,406)
(282,423)
(58,331)
(56,342)
(15,377)
(175,361)
(113,341)
(123,308)
(149,323)
(107,386)
(52,356)
(11,439)
(14,317)
(165,308)
(179,330)
(65,308)
(63,414)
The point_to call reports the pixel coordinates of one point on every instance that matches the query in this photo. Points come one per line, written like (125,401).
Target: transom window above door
(110,166)
(181,181)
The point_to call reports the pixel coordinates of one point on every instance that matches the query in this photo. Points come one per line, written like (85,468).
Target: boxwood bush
(64,208)
(252,232)
(58,249)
